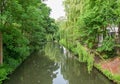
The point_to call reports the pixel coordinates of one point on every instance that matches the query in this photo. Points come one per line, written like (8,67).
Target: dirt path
(113,65)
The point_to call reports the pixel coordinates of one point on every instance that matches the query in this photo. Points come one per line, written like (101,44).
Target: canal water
(54,65)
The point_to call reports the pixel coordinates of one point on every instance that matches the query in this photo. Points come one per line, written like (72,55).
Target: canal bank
(106,66)
(55,65)
(8,68)
(110,68)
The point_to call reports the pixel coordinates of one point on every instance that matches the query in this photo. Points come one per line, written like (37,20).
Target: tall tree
(24,25)
(87,20)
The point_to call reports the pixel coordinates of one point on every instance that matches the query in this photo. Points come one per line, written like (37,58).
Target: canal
(54,65)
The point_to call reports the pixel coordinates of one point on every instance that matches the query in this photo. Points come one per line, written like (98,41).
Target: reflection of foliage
(72,70)
(45,69)
(37,68)
(70,66)
(52,50)
(77,73)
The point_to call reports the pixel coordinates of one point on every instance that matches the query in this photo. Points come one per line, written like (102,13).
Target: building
(112,31)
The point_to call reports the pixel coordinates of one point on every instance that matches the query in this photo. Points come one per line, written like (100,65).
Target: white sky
(57,8)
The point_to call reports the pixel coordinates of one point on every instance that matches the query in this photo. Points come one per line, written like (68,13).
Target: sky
(57,8)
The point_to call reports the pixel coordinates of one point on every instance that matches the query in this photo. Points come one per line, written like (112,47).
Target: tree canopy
(87,20)
(25,25)
(91,23)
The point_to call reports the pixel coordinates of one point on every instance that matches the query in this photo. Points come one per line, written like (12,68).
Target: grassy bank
(114,77)
(85,55)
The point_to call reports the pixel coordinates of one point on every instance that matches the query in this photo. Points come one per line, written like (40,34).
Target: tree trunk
(1,52)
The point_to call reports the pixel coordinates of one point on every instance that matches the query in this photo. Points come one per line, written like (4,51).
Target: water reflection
(70,70)
(54,65)
(37,69)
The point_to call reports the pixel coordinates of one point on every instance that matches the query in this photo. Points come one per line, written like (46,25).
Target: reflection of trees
(71,69)
(52,50)
(38,69)
(77,73)
(71,72)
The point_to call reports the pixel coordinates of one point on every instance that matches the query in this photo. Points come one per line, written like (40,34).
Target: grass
(114,77)
(85,56)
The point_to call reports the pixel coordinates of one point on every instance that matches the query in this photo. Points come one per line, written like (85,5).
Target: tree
(87,20)
(24,25)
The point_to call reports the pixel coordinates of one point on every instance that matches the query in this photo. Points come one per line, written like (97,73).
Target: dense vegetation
(87,22)
(24,25)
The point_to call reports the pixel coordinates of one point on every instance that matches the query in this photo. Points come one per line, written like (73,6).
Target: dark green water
(54,65)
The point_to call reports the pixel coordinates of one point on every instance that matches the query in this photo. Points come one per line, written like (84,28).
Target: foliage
(85,56)
(25,25)
(107,45)
(86,21)
(2,74)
